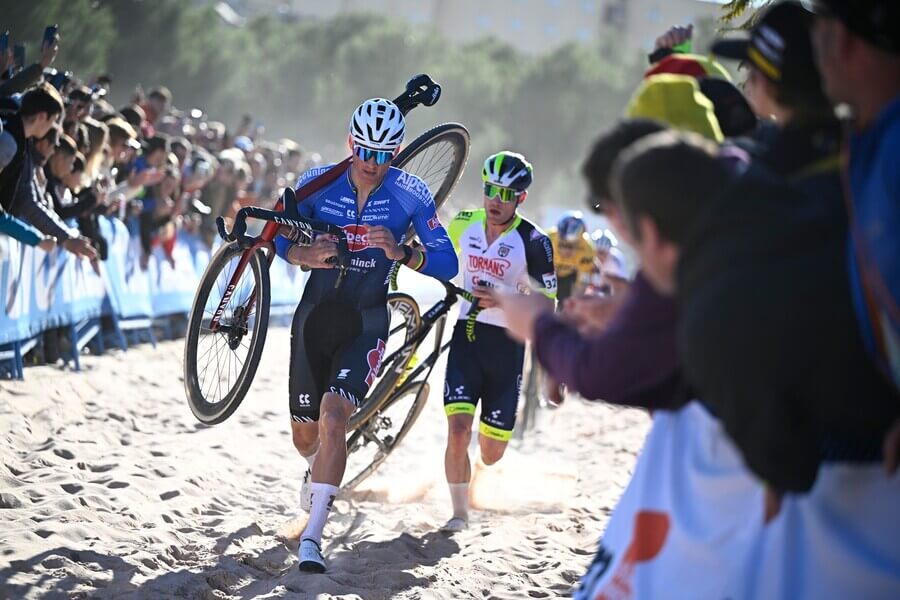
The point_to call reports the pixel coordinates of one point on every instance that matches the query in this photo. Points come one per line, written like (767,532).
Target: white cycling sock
(459,495)
(323,496)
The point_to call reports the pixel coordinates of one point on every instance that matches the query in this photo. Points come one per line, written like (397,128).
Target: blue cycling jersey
(401,199)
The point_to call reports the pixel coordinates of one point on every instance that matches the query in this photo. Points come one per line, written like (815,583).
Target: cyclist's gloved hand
(381,237)
(321,254)
(485,295)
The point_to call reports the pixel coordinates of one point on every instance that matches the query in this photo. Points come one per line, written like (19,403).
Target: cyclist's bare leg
(328,469)
(458,468)
(491,450)
(334,413)
(456,458)
(305,437)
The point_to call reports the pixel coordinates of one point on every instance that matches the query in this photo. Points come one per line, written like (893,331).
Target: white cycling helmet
(377,124)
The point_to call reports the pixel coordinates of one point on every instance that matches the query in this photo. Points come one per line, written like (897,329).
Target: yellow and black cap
(778,46)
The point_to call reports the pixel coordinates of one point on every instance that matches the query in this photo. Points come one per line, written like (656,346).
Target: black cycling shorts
(337,348)
(565,286)
(490,369)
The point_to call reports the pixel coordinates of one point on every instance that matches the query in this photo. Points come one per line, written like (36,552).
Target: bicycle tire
(440,180)
(406,306)
(420,389)
(208,412)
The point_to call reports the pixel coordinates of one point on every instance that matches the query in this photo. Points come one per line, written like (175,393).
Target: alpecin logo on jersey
(373,357)
(493,266)
(357,237)
(416,186)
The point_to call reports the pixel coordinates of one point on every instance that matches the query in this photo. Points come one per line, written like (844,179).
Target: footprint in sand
(98,468)
(62,453)
(8,500)
(169,495)
(72,488)
(116,485)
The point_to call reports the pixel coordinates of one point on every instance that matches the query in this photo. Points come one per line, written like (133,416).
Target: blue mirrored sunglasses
(381,156)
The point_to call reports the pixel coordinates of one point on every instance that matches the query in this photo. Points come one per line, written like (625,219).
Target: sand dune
(109,488)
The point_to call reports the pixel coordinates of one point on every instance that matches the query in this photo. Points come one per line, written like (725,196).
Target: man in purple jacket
(633,361)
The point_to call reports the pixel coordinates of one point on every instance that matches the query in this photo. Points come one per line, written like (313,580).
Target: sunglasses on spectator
(505,195)
(381,156)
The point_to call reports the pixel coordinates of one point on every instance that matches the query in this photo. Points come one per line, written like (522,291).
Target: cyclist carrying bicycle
(338,334)
(499,249)
(574,256)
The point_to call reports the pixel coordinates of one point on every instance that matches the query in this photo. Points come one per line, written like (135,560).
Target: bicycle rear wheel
(438,157)
(219,365)
(369,445)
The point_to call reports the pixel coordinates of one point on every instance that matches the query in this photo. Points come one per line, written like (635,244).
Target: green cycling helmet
(507,169)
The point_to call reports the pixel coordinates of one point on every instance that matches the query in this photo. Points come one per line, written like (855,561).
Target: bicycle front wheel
(219,365)
(405,320)
(369,445)
(438,157)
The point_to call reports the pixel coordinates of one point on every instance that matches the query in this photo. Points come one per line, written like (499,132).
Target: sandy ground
(110,488)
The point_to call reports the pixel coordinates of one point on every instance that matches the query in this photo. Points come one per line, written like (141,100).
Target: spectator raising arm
(32,74)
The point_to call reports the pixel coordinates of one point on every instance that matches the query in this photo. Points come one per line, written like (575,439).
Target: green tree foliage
(303,78)
(736,9)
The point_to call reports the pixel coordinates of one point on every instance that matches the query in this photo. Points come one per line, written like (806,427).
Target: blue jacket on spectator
(874,246)
(19,229)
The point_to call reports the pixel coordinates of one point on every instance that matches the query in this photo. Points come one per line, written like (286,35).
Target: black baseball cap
(876,21)
(778,46)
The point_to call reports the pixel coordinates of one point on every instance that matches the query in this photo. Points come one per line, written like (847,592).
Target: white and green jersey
(520,253)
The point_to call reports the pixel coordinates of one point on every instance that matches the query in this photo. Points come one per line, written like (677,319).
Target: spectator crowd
(68,156)
(762,330)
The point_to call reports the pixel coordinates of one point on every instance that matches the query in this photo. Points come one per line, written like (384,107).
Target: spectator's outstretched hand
(892,449)
(591,313)
(674,36)
(47,244)
(80,246)
(49,52)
